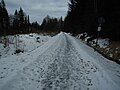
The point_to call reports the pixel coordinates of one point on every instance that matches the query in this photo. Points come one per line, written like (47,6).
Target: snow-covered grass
(104,45)
(24,43)
(62,63)
(12,64)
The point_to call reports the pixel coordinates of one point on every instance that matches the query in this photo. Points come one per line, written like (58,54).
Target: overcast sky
(38,9)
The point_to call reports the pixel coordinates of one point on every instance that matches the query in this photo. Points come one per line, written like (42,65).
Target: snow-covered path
(67,64)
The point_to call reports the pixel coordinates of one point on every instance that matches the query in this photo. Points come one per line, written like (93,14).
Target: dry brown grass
(112,50)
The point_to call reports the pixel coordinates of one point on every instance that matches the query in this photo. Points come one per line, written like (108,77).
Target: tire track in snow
(60,67)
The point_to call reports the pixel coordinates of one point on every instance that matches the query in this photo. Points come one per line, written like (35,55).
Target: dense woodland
(19,23)
(84,16)
(52,24)
(13,24)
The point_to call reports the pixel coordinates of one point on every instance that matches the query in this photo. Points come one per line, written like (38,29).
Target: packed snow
(62,63)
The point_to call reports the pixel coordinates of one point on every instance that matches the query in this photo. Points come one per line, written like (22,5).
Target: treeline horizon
(82,16)
(19,22)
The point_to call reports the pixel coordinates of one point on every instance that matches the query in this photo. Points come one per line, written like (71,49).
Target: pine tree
(28,19)
(28,23)
(51,24)
(43,24)
(4,22)
(21,20)
(4,18)
(1,20)
(25,25)
(80,16)
(60,24)
(3,4)
(83,16)
(16,22)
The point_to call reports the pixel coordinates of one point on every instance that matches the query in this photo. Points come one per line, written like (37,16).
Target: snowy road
(67,64)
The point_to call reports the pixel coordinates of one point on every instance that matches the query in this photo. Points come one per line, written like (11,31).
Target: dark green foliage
(13,24)
(1,22)
(16,22)
(2,4)
(51,24)
(21,22)
(35,27)
(83,16)
(4,19)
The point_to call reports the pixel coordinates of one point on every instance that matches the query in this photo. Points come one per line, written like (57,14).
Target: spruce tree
(21,20)
(4,22)
(3,4)
(16,22)
(28,23)
(25,25)
(1,19)
(4,18)
(83,16)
